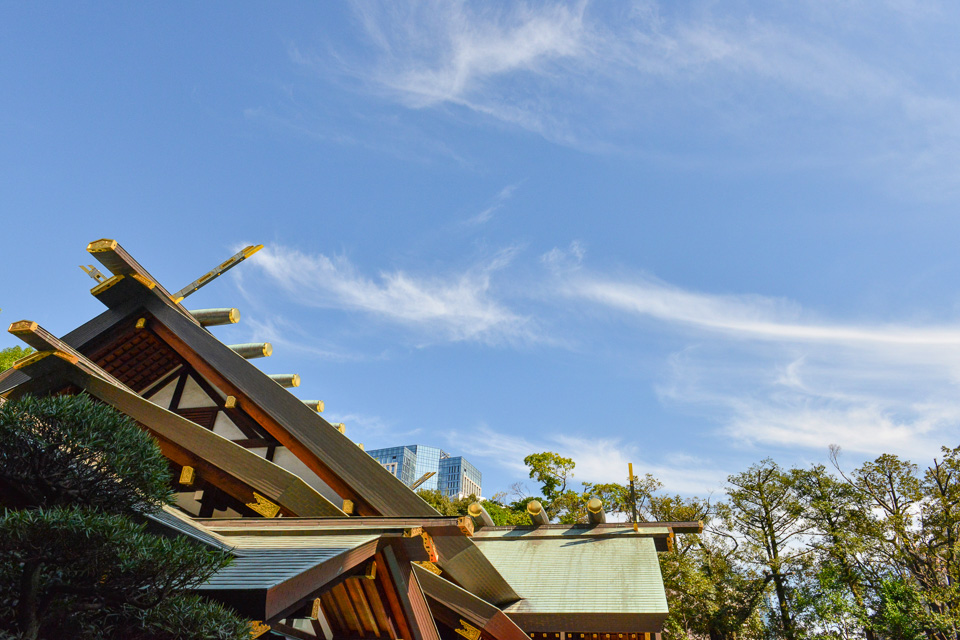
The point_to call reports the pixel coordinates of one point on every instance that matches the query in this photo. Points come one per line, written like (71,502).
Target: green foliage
(69,450)
(11,354)
(900,612)
(92,569)
(794,553)
(444,504)
(506,515)
(766,510)
(75,559)
(552,471)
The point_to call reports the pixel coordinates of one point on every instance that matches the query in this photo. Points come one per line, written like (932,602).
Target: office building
(400,461)
(454,476)
(458,478)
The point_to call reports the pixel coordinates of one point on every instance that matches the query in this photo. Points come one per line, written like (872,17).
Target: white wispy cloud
(436,52)
(487,214)
(282,333)
(745,315)
(599,76)
(453,307)
(773,376)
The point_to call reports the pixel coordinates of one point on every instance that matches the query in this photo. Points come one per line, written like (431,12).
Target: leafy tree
(765,509)
(444,504)
(70,451)
(502,514)
(11,354)
(552,471)
(75,559)
(506,515)
(712,592)
(617,500)
(900,611)
(839,593)
(910,522)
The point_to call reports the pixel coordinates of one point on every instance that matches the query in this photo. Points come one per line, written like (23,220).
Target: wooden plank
(332,613)
(449,604)
(342,598)
(386,582)
(42,340)
(255,443)
(353,474)
(421,609)
(359,598)
(114,257)
(376,605)
(416,612)
(239,470)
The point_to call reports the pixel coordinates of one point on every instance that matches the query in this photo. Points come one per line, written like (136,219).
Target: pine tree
(76,561)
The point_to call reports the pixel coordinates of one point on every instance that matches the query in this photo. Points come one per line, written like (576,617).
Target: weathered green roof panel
(581,584)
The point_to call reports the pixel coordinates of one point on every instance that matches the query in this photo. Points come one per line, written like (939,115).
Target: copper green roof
(580,582)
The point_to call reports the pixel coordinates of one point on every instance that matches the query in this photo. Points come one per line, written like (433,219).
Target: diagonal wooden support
(120,263)
(216,272)
(236,470)
(44,341)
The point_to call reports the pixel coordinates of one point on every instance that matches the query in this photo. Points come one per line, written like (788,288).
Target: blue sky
(686,235)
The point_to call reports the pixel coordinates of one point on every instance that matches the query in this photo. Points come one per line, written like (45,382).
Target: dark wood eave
(337,460)
(451,605)
(237,471)
(120,263)
(437,526)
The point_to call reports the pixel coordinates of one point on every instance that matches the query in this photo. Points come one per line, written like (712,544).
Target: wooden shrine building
(327,543)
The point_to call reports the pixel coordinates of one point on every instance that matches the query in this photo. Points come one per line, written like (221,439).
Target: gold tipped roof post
(538,515)
(251,350)
(422,479)
(595,511)
(213,317)
(480,516)
(316,405)
(286,380)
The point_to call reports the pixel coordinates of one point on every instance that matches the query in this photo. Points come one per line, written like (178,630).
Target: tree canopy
(792,553)
(11,354)
(75,557)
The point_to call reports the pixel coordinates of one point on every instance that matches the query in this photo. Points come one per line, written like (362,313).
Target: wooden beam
(256,443)
(330,609)
(250,350)
(361,507)
(44,341)
(342,598)
(115,258)
(480,516)
(285,380)
(595,511)
(274,482)
(216,317)
(377,606)
(216,272)
(291,632)
(538,515)
(411,598)
(364,612)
